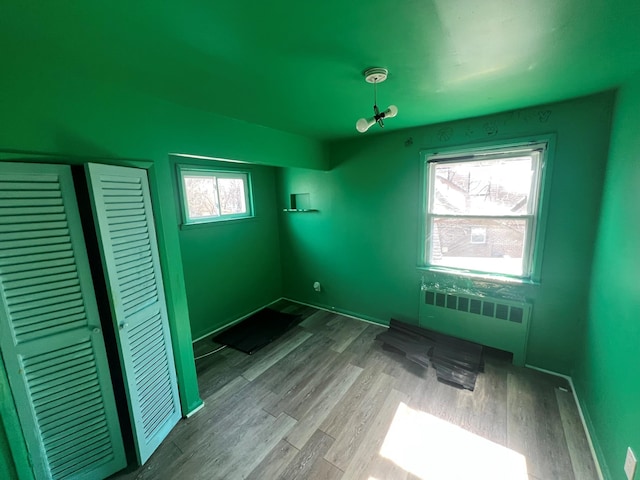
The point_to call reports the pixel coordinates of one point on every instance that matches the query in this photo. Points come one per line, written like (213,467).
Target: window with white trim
(482,209)
(213,195)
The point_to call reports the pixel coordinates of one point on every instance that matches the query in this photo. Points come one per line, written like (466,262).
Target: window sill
(489,277)
(211,223)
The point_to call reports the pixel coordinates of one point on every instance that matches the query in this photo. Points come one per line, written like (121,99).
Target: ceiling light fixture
(376,75)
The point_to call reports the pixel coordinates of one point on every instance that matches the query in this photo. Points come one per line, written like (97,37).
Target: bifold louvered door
(126,234)
(51,337)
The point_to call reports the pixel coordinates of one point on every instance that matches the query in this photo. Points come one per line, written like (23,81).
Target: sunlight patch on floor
(431,448)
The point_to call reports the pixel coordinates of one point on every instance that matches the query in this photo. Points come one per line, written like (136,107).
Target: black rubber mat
(258,330)
(457,362)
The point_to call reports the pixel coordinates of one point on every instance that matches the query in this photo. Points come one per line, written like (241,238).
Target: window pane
(232,196)
(201,196)
(484,187)
(478,235)
(455,242)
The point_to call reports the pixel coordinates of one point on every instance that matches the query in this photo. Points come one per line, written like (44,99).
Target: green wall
(363,244)
(50,109)
(232,268)
(608,378)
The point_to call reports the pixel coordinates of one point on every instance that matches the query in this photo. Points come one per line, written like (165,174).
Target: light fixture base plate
(375,75)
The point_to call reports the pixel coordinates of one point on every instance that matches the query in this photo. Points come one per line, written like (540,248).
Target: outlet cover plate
(630,464)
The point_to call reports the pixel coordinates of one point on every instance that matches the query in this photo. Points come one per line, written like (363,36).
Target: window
(214,195)
(478,235)
(483,209)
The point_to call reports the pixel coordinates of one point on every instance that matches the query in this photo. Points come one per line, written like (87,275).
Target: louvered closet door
(126,232)
(51,337)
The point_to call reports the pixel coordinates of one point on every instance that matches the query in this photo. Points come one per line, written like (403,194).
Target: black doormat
(258,330)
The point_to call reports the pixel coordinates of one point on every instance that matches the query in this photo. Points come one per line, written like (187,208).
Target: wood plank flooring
(325,401)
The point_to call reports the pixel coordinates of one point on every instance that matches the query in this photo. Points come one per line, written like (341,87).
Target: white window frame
(535,218)
(198,171)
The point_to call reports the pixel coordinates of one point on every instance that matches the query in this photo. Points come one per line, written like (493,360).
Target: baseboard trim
(582,417)
(339,312)
(194,411)
(233,322)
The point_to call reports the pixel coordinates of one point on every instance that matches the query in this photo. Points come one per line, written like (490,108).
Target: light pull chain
(376,111)
(375,93)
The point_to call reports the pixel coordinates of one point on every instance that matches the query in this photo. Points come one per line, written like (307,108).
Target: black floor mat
(258,330)
(457,362)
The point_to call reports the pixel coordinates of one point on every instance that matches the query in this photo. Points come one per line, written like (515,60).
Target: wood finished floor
(325,401)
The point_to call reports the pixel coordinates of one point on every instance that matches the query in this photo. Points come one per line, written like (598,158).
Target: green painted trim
(11,424)
(208,223)
(166,219)
(422,211)
(543,205)
(194,411)
(192,408)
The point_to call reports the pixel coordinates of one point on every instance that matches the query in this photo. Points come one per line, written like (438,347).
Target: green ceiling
(297,66)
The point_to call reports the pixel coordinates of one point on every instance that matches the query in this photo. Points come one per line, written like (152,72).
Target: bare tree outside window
(201,196)
(231,195)
(215,195)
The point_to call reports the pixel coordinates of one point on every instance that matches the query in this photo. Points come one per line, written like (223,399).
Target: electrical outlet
(630,464)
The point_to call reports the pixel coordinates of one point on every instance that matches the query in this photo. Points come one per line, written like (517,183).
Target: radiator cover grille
(488,307)
(494,322)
